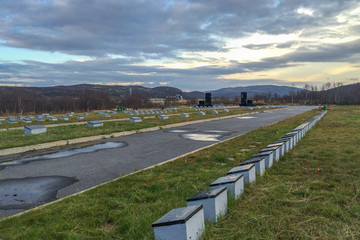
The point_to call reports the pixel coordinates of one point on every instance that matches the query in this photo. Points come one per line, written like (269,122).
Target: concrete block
(95,124)
(163,117)
(180,223)
(233,183)
(214,201)
(135,119)
(259,164)
(34,129)
(276,152)
(279,144)
(269,157)
(247,170)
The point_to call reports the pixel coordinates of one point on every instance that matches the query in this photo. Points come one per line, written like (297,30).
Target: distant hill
(117,92)
(252,90)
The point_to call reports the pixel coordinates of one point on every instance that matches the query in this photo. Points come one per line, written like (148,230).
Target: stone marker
(105,115)
(86,114)
(214,112)
(11,120)
(2,119)
(201,113)
(214,201)
(276,152)
(185,115)
(80,117)
(163,117)
(247,170)
(281,146)
(259,164)
(135,119)
(180,223)
(53,118)
(269,157)
(34,129)
(40,119)
(27,120)
(95,124)
(225,111)
(66,118)
(233,183)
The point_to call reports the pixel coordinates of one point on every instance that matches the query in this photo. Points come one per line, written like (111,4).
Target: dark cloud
(133,28)
(342,52)
(143,31)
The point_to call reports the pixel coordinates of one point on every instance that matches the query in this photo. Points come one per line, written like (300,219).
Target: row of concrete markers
(208,205)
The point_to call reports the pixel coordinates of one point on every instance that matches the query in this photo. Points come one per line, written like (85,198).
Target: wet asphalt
(32,180)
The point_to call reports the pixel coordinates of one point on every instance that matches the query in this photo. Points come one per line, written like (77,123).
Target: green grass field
(311,193)
(17,138)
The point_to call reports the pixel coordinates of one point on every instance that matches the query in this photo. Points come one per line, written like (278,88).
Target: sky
(188,44)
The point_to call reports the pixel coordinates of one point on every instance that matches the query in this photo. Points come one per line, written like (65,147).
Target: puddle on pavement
(202,137)
(67,153)
(179,131)
(246,117)
(24,193)
(216,131)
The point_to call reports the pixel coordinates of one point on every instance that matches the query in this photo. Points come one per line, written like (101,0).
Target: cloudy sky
(189,44)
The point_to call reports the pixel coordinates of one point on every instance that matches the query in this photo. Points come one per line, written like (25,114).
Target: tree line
(336,93)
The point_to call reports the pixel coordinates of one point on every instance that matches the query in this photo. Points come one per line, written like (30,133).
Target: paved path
(55,177)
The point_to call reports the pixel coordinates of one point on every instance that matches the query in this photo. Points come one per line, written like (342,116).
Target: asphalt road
(33,180)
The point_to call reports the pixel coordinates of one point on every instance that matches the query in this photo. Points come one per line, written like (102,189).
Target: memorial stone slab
(185,115)
(214,112)
(2,119)
(233,183)
(259,164)
(80,117)
(135,119)
(180,223)
(163,117)
(34,129)
(65,118)
(201,113)
(247,170)
(27,120)
(86,114)
(54,119)
(95,124)
(12,120)
(225,111)
(214,201)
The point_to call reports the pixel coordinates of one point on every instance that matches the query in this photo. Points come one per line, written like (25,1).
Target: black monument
(244,101)
(207,102)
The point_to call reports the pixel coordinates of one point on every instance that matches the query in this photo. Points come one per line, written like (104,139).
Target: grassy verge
(17,138)
(125,209)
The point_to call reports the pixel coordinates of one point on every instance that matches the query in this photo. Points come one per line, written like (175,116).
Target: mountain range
(156,92)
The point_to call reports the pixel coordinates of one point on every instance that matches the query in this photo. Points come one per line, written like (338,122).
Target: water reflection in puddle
(23,193)
(202,137)
(246,117)
(67,153)
(179,131)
